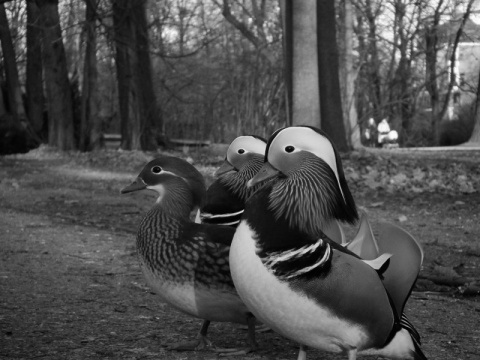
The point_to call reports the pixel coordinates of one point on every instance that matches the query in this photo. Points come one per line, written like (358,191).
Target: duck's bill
(224,168)
(138,184)
(266,172)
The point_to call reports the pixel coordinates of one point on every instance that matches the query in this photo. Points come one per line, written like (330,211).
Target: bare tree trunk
(126,62)
(59,98)
(300,30)
(475,137)
(34,82)
(431,43)
(90,123)
(452,63)
(438,109)
(352,127)
(3,108)
(328,75)
(287,18)
(373,65)
(305,88)
(11,73)
(140,118)
(150,113)
(400,106)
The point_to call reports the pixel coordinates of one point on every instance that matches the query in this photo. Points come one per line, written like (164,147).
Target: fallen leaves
(366,172)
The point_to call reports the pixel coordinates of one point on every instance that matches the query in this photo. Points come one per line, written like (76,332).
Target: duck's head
(243,160)
(311,188)
(172,178)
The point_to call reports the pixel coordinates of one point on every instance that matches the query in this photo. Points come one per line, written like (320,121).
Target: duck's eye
(241,151)
(156,169)
(289,148)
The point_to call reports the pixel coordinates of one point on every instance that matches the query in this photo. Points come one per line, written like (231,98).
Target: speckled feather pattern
(171,255)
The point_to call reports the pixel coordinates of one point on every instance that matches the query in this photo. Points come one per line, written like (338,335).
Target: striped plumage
(299,282)
(226,196)
(184,262)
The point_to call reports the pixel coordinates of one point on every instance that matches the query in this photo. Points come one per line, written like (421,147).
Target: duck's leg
(250,340)
(302,353)
(200,343)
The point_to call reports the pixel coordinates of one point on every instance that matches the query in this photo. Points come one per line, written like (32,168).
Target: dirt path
(70,287)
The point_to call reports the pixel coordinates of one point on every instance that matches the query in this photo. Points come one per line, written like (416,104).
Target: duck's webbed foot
(200,343)
(252,343)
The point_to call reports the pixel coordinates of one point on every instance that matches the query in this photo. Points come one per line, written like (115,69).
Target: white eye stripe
(248,143)
(165,172)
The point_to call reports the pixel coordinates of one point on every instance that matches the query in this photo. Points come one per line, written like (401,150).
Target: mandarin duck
(299,282)
(184,262)
(227,195)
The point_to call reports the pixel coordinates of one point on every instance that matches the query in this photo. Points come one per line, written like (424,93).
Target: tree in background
(15,130)
(301,62)
(312,67)
(475,137)
(140,119)
(90,125)
(59,97)
(328,71)
(217,72)
(14,94)
(348,74)
(440,102)
(34,79)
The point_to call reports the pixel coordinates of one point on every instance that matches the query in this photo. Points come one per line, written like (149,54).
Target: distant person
(369,133)
(392,137)
(383,129)
(385,135)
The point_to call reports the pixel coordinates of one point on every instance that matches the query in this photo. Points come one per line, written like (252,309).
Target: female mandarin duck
(226,196)
(184,262)
(299,282)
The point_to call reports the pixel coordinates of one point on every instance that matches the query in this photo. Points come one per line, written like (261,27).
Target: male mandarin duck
(184,262)
(299,282)
(226,196)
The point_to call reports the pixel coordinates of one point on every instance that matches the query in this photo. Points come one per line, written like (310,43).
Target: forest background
(210,70)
